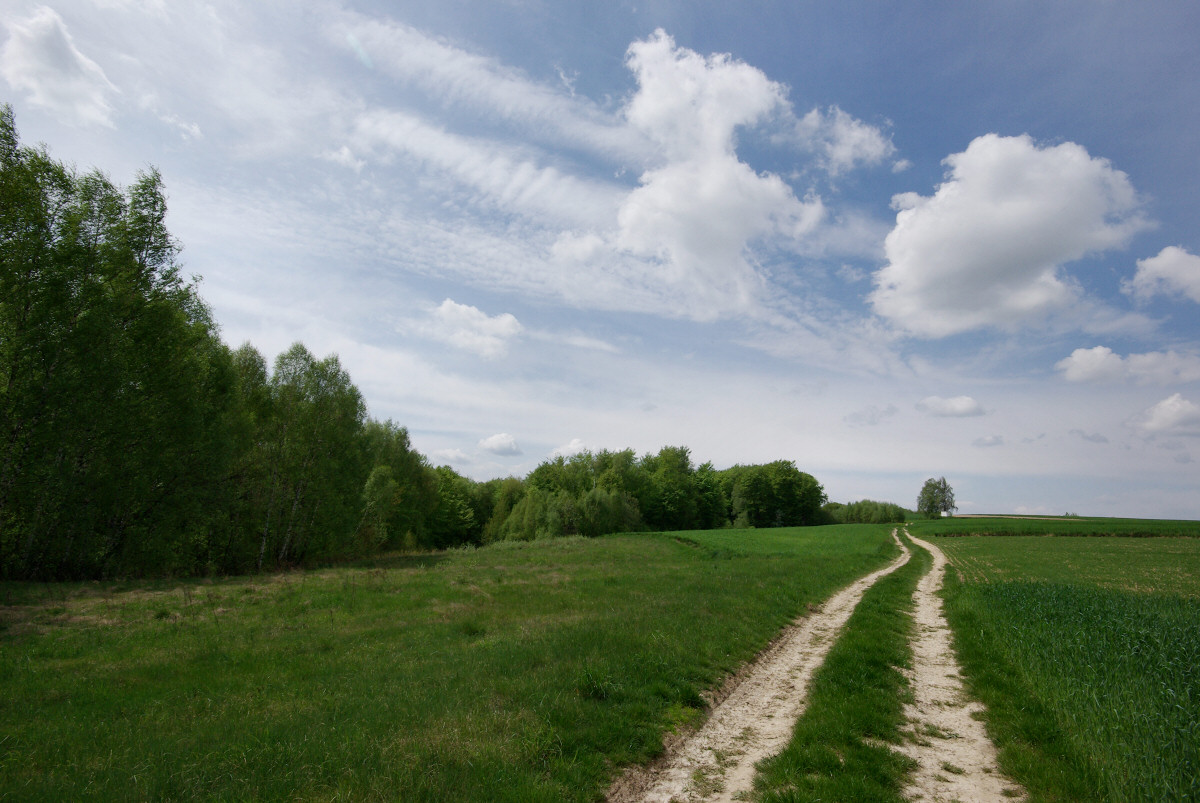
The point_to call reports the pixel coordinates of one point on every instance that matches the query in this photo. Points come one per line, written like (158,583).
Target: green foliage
(773,495)
(133,442)
(936,498)
(117,395)
(865,512)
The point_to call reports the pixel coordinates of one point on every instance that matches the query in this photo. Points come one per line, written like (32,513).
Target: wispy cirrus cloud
(40,58)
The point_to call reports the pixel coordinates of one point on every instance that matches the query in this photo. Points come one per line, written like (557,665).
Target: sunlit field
(1086,651)
(521,671)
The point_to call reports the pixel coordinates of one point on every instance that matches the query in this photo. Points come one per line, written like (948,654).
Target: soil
(956,759)
(759,706)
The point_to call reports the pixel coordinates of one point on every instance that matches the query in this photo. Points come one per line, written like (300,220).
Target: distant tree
(936,498)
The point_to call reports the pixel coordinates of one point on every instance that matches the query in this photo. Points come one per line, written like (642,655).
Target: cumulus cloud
(1173,270)
(1173,415)
(569,449)
(844,142)
(41,59)
(988,442)
(986,249)
(1102,364)
(501,444)
(452,456)
(955,407)
(470,329)
(685,232)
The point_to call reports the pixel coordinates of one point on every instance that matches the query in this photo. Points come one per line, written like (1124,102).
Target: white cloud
(684,235)
(40,58)
(988,442)
(844,142)
(691,105)
(1173,415)
(986,249)
(1173,270)
(569,449)
(508,177)
(452,456)
(501,444)
(488,88)
(955,407)
(470,329)
(1101,364)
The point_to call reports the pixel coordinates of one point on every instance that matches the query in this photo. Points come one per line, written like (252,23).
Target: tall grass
(515,672)
(1093,690)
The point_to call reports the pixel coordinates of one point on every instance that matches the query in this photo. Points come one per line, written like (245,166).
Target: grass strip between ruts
(840,747)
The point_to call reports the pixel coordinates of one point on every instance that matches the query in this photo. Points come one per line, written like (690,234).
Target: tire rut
(757,718)
(956,759)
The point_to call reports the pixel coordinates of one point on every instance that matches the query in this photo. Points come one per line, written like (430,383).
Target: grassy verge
(1092,689)
(517,672)
(840,747)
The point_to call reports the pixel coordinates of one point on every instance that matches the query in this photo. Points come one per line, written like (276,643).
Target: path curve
(756,720)
(956,759)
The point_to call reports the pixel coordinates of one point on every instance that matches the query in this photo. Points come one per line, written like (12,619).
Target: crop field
(1086,652)
(521,671)
(1052,525)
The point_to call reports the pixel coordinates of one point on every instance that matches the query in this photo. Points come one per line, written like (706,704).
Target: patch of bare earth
(756,719)
(956,759)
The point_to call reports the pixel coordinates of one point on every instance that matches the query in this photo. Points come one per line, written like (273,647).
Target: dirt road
(756,720)
(956,759)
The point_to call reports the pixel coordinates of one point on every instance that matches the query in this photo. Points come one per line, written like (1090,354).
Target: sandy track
(756,719)
(957,760)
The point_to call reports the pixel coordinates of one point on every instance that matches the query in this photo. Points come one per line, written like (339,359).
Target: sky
(885,240)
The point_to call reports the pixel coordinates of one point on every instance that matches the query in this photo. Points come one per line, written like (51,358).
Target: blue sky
(884,240)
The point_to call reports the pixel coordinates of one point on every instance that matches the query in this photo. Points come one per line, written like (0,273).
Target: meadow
(1085,650)
(521,671)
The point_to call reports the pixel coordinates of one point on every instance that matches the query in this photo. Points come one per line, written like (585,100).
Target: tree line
(134,442)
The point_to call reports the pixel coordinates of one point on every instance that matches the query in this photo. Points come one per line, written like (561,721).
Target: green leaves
(936,498)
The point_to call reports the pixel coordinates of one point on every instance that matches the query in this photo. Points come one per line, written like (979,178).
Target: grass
(840,749)
(1086,652)
(1143,565)
(516,672)
(1055,525)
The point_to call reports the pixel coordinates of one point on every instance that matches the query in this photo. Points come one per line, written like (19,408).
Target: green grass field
(516,672)
(1053,525)
(1087,653)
